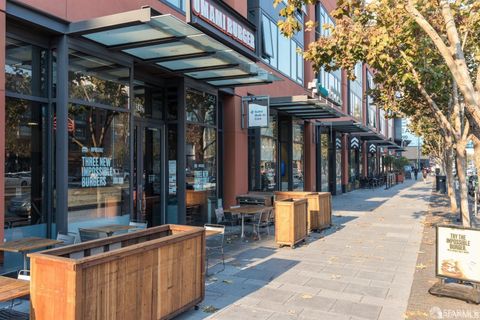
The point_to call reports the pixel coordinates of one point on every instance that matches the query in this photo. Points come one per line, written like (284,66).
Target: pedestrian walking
(424,174)
(415,173)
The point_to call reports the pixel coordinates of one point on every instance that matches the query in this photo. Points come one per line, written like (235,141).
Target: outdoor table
(13,288)
(110,229)
(246,210)
(27,244)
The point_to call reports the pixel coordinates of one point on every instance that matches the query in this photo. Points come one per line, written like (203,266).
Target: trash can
(442,184)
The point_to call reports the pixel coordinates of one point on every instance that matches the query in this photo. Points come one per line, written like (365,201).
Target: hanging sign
(458,253)
(257,111)
(372,148)
(257,115)
(354,143)
(222,22)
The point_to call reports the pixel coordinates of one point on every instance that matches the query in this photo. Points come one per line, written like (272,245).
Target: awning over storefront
(369,136)
(304,107)
(345,126)
(172,44)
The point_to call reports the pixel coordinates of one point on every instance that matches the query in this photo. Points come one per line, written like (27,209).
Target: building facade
(119,111)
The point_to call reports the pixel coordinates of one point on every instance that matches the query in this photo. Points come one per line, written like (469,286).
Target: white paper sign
(257,115)
(458,253)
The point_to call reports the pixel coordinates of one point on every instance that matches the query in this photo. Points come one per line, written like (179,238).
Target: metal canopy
(172,44)
(347,126)
(369,136)
(305,108)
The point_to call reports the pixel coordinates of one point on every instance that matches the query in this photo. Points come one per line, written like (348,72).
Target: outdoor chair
(224,217)
(138,226)
(87,235)
(24,275)
(215,243)
(67,239)
(261,220)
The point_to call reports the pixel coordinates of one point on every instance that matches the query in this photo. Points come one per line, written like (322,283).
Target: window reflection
(201,156)
(98,163)
(24,170)
(268,155)
(324,150)
(25,68)
(95,80)
(298,157)
(201,107)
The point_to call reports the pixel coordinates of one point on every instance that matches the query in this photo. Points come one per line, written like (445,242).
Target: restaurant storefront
(114,120)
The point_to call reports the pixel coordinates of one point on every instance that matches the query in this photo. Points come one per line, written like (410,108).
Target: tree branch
(443,121)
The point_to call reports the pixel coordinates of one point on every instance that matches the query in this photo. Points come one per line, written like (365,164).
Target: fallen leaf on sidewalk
(307,296)
(335,276)
(415,314)
(421,252)
(348,246)
(209,309)
(421,266)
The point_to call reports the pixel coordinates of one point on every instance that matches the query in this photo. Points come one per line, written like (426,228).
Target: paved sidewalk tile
(360,268)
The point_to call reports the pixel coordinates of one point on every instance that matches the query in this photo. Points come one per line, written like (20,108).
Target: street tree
(402,41)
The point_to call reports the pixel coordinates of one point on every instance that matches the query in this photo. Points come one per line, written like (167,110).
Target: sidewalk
(361,268)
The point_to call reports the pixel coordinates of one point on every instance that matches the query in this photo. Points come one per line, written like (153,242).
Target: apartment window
(356,93)
(371,108)
(382,122)
(180,4)
(328,80)
(281,52)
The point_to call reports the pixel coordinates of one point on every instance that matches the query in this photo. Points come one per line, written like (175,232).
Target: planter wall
(319,207)
(155,273)
(290,221)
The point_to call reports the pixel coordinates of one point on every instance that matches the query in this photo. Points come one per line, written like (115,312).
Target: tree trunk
(450,180)
(460,151)
(476,152)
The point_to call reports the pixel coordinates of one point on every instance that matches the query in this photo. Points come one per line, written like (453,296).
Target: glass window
(371,108)
(382,122)
(98,165)
(298,154)
(201,157)
(284,56)
(148,102)
(355,106)
(180,4)
(25,171)
(25,68)
(95,80)
(267,43)
(201,107)
(338,164)
(268,155)
(324,150)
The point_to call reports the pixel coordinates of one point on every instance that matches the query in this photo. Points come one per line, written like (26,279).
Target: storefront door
(148,182)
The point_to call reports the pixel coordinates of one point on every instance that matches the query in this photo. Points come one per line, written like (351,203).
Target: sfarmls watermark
(437,313)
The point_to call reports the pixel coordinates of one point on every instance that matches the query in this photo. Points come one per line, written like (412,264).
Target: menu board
(458,253)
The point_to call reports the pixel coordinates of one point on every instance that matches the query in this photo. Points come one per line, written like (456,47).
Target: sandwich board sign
(458,253)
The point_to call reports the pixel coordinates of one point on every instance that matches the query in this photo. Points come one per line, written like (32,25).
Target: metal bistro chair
(215,242)
(67,239)
(261,220)
(224,217)
(138,226)
(87,235)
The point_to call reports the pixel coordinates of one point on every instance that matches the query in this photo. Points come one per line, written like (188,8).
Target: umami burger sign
(224,19)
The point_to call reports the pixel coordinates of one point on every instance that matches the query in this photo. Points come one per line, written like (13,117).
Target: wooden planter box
(319,215)
(290,221)
(400,177)
(155,273)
